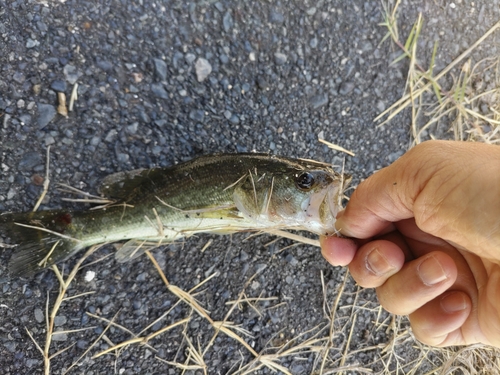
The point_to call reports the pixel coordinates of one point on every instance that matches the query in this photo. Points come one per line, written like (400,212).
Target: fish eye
(304,181)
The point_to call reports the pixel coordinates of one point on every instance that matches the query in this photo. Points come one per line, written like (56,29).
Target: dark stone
(197,115)
(318,101)
(58,85)
(46,114)
(19,77)
(30,160)
(346,88)
(105,65)
(160,69)
(262,82)
(25,119)
(227,21)
(159,91)
(275,16)
(280,58)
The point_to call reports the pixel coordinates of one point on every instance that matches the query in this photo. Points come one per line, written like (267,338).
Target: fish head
(304,195)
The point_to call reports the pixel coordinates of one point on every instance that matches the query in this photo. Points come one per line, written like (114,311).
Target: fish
(221,193)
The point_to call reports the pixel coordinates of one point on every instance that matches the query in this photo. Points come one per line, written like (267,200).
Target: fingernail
(377,263)
(431,272)
(453,302)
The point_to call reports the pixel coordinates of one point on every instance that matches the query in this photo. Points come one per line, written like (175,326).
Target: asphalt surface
(280,75)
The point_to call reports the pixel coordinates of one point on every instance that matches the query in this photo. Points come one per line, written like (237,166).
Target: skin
(425,232)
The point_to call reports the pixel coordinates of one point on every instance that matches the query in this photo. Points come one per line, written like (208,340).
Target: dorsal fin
(121,185)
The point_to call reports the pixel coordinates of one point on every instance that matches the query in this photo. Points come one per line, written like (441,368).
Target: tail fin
(43,238)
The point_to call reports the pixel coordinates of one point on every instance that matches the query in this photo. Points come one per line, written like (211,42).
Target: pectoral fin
(135,248)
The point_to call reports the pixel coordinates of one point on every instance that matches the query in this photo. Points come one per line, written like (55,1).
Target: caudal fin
(43,238)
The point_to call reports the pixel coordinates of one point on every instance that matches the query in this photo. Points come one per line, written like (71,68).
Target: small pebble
(197,115)
(291,259)
(49,140)
(33,362)
(82,344)
(132,128)
(30,160)
(60,320)
(105,65)
(318,101)
(25,119)
(122,157)
(346,88)
(46,114)
(32,43)
(255,285)
(159,91)
(227,21)
(276,16)
(224,59)
(160,69)
(89,276)
(394,156)
(234,119)
(111,136)
(71,74)
(280,58)
(311,11)
(203,69)
(58,85)
(19,77)
(262,82)
(190,57)
(56,336)
(10,346)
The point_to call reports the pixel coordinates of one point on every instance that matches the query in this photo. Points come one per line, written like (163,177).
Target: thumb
(373,207)
(380,200)
(420,184)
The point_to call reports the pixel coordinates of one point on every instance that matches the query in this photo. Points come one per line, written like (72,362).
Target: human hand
(426,234)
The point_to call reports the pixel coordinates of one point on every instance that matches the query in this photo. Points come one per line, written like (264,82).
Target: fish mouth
(320,211)
(323,207)
(334,202)
(333,199)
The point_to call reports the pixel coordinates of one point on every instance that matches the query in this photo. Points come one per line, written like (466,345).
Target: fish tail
(43,238)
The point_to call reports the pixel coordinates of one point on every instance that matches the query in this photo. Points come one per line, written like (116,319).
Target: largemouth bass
(222,193)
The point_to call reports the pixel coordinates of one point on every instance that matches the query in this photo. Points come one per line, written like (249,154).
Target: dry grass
(472,109)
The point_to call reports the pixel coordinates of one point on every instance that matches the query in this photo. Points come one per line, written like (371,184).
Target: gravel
(162,82)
